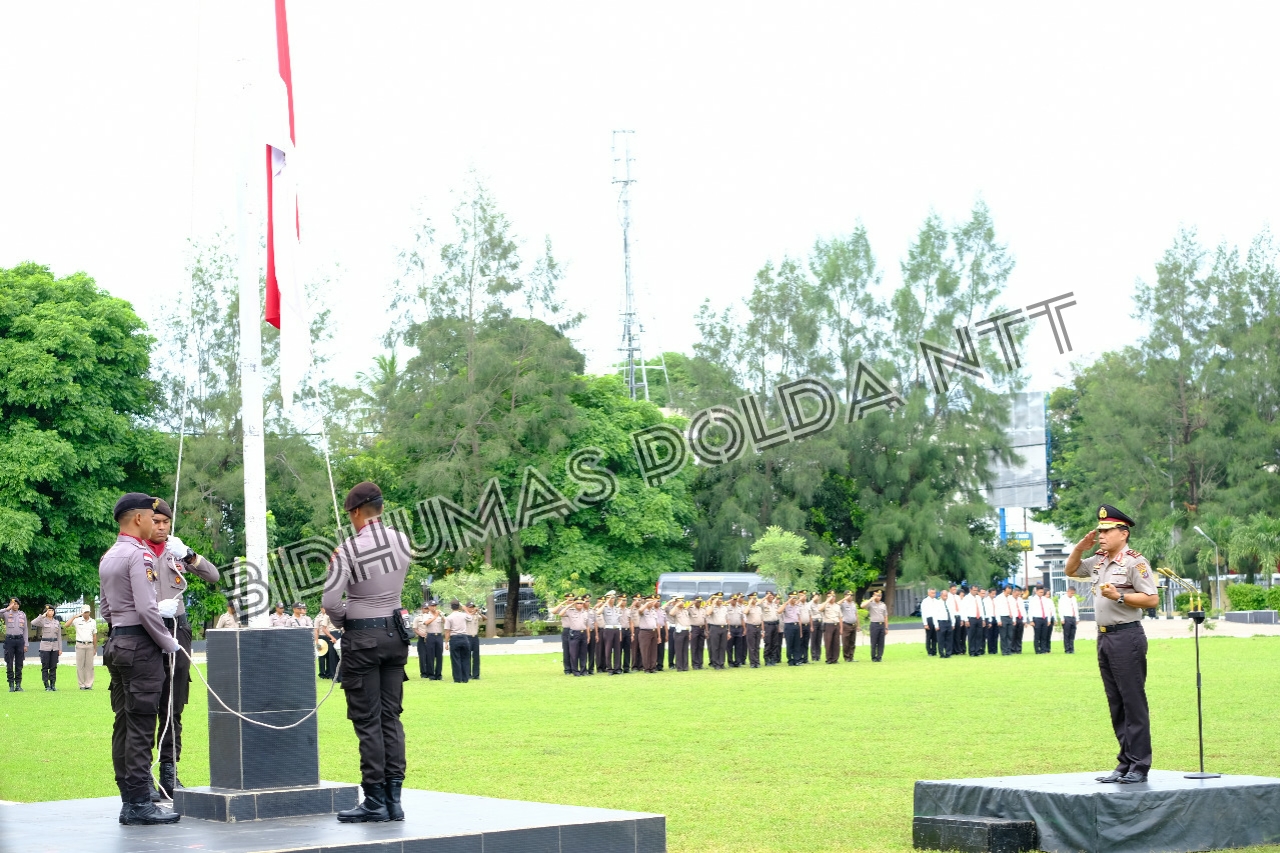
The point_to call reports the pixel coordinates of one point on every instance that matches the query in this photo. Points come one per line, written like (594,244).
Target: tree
(779,556)
(74,397)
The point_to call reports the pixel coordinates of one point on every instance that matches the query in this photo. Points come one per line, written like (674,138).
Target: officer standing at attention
(86,647)
(717,630)
(362,597)
(697,633)
(679,625)
(1069,610)
(323,628)
(560,610)
(134,655)
(1041,608)
(737,641)
(15,644)
(928,617)
(228,619)
(878,616)
(420,623)
(831,618)
(456,643)
(791,628)
(50,646)
(806,626)
(945,619)
(771,614)
(753,616)
(280,619)
(663,631)
(848,625)
(473,639)
(171,588)
(1122,587)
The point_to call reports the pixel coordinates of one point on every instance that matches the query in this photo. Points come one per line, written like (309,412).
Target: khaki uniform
(831,618)
(697,634)
(753,620)
(849,628)
(473,643)
(86,649)
(227,621)
(680,628)
(455,627)
(771,614)
(815,629)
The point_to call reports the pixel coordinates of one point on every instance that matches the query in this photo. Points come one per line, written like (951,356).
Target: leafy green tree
(74,398)
(779,555)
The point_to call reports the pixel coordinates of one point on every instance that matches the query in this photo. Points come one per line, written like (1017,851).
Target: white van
(706,584)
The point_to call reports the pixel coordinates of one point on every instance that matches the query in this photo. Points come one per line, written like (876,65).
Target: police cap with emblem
(1109,517)
(132,501)
(162,508)
(361,494)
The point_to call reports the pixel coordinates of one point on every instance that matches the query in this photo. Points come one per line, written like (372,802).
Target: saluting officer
(717,630)
(771,614)
(848,626)
(679,625)
(15,644)
(753,616)
(173,564)
(737,639)
(127,576)
(878,616)
(369,570)
(1122,587)
(697,633)
(50,646)
(473,638)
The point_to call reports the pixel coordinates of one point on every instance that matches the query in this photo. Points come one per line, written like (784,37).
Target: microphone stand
(1196,615)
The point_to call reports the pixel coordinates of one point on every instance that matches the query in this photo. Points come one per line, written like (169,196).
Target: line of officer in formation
(457,634)
(982,621)
(616,636)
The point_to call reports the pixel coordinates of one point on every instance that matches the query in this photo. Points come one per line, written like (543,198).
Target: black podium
(256,773)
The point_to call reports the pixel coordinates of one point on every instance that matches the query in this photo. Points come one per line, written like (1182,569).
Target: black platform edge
(434,823)
(228,805)
(973,834)
(1074,812)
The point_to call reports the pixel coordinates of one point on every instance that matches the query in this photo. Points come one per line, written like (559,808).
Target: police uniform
(679,627)
(329,660)
(612,617)
(660,618)
(626,639)
(560,610)
(717,631)
(770,614)
(575,619)
(1040,607)
(473,638)
(806,629)
(791,630)
(1122,647)
(362,596)
(15,646)
(815,629)
(737,642)
(50,649)
(831,617)
(878,616)
(420,623)
(128,576)
(455,628)
(697,633)
(647,627)
(848,627)
(172,584)
(753,617)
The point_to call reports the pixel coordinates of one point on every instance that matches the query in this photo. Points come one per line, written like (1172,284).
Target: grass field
(816,758)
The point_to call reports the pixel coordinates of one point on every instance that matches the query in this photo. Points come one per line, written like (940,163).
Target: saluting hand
(1088,541)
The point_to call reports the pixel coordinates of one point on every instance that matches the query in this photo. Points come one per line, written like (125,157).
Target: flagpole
(251,393)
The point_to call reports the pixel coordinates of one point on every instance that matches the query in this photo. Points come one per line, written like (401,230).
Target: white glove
(168,608)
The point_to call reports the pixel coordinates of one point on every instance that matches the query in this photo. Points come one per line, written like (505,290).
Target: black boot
(372,810)
(155,794)
(146,814)
(392,789)
(168,779)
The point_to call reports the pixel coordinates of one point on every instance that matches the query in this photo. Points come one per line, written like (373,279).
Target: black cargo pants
(180,685)
(373,677)
(137,670)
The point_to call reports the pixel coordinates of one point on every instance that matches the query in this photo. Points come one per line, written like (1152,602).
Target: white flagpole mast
(251,404)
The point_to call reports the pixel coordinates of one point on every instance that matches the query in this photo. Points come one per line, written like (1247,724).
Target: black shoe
(1133,777)
(373,809)
(392,789)
(168,779)
(1115,776)
(146,814)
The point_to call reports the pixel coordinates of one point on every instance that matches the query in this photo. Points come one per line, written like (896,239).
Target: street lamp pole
(1216,569)
(1173,542)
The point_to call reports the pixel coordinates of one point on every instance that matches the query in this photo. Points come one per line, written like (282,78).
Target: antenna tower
(633,362)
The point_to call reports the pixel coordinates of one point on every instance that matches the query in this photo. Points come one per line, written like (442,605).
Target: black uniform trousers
(473,644)
(772,642)
(179,683)
(671,647)
(945,639)
(610,650)
(593,650)
(628,649)
(460,657)
(1006,635)
(849,639)
(661,649)
(577,652)
(738,645)
(717,639)
(960,633)
(1039,629)
(1019,627)
(806,631)
(137,666)
(1122,660)
(697,645)
(815,641)
(679,643)
(1069,635)
(993,636)
(329,663)
(930,638)
(877,640)
(564,650)
(14,650)
(373,680)
(791,632)
(753,645)
(977,633)
(49,666)
(431,656)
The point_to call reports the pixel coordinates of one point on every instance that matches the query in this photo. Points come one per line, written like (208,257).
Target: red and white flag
(286,306)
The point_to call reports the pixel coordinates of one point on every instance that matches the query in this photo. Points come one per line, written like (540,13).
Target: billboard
(1024,484)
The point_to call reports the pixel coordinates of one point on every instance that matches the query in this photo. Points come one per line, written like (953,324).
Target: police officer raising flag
(1122,586)
(134,655)
(362,596)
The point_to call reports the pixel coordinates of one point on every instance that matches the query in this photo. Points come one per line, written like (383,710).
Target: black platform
(1075,812)
(434,823)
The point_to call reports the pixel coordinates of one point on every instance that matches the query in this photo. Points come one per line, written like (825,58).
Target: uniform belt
(678,629)
(180,619)
(358,624)
(128,629)
(1110,629)
(14,637)
(613,627)
(771,621)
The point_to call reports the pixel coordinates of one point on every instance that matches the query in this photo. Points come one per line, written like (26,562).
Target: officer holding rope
(135,653)
(174,561)
(370,569)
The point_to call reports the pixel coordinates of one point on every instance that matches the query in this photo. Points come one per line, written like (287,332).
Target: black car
(531,606)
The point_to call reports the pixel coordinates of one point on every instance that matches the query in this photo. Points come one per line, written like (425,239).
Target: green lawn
(810,759)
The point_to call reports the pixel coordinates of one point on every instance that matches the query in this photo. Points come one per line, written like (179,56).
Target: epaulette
(1132,553)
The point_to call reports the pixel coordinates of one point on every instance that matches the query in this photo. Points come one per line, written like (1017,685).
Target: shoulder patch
(1132,553)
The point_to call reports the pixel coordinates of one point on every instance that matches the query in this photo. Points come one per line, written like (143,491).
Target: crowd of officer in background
(619,634)
(979,621)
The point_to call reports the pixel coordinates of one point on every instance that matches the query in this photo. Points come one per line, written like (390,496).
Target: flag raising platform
(434,823)
(1075,812)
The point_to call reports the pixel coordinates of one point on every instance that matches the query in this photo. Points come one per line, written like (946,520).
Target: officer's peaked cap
(1109,517)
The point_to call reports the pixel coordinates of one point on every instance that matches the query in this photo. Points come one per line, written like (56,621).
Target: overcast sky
(1093,132)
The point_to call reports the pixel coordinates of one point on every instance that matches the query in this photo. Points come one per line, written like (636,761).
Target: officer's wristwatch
(1122,598)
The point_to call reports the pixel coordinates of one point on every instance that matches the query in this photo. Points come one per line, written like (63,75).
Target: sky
(1093,131)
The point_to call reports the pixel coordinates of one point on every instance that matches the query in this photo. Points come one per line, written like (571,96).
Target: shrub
(1273,598)
(1246,596)
(1182,601)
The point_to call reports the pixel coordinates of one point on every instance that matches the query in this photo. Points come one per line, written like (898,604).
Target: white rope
(177,477)
(312,713)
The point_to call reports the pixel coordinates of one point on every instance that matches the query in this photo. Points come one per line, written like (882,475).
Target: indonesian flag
(286,307)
